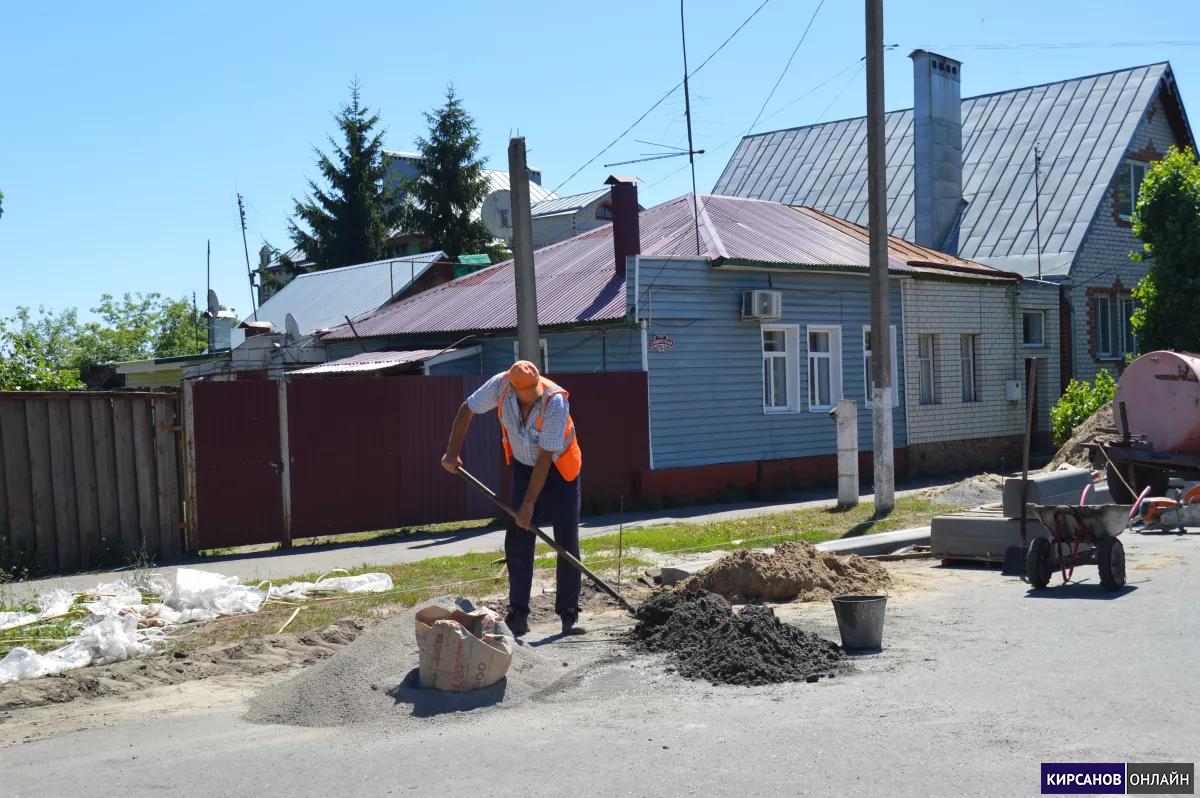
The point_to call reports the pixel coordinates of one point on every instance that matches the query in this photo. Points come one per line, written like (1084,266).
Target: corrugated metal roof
(372,361)
(1084,126)
(321,299)
(498,181)
(569,204)
(577,283)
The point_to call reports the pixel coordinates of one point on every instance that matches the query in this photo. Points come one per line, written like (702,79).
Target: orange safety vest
(570,460)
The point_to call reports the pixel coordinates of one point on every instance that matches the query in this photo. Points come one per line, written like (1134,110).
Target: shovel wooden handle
(583,569)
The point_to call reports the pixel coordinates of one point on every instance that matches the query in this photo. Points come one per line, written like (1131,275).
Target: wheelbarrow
(1094,528)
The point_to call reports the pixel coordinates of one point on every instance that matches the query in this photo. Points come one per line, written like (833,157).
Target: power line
(737,136)
(857,62)
(841,91)
(786,66)
(1060,45)
(660,101)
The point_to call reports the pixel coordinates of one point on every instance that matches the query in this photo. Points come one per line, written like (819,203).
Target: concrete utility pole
(522,247)
(881,344)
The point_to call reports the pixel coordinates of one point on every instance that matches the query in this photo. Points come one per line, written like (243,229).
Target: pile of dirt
(974,491)
(253,655)
(1074,452)
(708,640)
(374,681)
(796,570)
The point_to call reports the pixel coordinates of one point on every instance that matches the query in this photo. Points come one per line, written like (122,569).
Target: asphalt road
(979,682)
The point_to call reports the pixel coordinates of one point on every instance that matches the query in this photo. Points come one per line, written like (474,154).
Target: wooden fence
(88,479)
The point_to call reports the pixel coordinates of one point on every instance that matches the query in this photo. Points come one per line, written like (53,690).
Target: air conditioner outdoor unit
(762,305)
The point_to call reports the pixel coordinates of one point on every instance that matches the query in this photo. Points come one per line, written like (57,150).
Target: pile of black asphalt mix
(708,640)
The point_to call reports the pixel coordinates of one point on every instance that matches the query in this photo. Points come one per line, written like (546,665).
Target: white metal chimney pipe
(937,150)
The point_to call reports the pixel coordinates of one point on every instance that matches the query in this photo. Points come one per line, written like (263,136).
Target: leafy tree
(351,221)
(451,184)
(50,351)
(1078,403)
(140,326)
(39,353)
(1167,219)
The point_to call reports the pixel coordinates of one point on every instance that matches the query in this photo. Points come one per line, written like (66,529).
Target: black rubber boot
(517,621)
(570,619)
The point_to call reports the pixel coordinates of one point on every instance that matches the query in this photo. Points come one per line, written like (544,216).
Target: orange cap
(523,375)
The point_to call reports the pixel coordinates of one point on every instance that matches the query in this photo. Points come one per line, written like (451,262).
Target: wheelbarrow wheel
(1039,565)
(1110,557)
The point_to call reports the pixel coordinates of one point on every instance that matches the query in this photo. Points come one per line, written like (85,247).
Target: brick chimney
(937,149)
(627,233)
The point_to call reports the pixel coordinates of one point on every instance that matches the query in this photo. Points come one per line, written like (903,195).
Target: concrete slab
(1053,487)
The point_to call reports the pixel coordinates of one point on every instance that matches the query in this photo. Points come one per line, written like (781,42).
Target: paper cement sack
(462,648)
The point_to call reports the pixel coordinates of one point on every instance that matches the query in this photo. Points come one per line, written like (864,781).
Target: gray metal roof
(570,204)
(372,361)
(322,299)
(1083,125)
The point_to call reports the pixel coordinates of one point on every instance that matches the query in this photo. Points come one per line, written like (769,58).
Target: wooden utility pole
(881,344)
(522,248)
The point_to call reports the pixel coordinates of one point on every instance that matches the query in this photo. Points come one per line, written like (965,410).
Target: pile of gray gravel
(374,681)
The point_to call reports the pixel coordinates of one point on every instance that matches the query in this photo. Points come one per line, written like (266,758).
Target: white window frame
(969,366)
(1122,339)
(835,365)
(932,361)
(545,349)
(791,358)
(1033,344)
(1128,338)
(867,367)
(1134,185)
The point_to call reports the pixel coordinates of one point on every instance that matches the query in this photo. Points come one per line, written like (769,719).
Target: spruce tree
(350,221)
(450,185)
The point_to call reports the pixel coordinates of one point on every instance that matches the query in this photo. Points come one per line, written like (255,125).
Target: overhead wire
(1061,45)
(862,64)
(776,112)
(662,99)
(786,66)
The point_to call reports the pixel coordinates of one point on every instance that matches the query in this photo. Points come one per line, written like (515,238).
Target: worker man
(538,438)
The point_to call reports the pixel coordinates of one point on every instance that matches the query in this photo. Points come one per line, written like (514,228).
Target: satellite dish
(497,214)
(292,328)
(213,304)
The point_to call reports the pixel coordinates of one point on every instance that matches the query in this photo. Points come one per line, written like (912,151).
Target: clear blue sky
(128,127)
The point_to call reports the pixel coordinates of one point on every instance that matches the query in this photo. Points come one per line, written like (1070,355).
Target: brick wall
(948,309)
(1103,258)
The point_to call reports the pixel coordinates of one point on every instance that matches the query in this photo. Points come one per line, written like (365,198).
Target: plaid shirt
(526,440)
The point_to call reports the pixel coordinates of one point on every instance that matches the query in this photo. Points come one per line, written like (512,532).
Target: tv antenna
(246,252)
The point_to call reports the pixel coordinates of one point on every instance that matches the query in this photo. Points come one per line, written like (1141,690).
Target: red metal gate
(238,487)
(365,452)
(362,453)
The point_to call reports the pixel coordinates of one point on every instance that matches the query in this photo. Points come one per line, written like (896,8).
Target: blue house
(748,318)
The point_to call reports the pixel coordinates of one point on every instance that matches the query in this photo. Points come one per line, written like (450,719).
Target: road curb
(882,543)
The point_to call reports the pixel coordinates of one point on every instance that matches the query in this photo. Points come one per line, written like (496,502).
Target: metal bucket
(860,620)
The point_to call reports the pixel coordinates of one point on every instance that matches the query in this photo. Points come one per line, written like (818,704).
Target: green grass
(478,574)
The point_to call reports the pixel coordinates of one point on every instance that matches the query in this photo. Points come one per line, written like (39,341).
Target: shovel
(583,569)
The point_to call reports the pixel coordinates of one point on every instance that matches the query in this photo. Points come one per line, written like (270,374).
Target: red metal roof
(577,282)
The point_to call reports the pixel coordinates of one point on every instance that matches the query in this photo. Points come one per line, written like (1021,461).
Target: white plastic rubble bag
(363,583)
(210,594)
(109,640)
(462,648)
